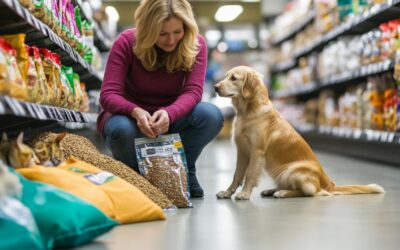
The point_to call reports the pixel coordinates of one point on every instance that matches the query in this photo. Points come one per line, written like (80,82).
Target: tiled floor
(339,222)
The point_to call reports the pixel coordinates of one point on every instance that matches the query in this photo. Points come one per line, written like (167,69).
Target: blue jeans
(197,129)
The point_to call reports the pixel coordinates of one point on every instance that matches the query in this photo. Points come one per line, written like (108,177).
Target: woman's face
(171,33)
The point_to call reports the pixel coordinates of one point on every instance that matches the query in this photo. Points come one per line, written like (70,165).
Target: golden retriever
(264,139)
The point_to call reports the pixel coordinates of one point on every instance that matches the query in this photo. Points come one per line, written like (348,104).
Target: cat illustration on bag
(19,155)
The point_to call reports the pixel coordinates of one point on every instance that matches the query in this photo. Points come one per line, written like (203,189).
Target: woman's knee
(209,115)
(120,127)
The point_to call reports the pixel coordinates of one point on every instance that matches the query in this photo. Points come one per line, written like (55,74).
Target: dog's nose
(216,88)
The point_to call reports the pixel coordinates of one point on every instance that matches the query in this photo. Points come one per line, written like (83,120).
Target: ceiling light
(228,13)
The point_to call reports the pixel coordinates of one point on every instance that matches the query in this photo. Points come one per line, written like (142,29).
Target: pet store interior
(331,69)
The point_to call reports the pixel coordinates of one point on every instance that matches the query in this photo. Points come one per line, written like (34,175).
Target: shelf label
(31,110)
(2,108)
(357,133)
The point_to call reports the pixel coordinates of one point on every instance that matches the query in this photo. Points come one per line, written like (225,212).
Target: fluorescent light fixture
(228,13)
(112,13)
(251,1)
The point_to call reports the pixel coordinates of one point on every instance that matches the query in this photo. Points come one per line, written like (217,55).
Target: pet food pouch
(162,162)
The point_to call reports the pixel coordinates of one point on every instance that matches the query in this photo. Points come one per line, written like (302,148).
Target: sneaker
(195,189)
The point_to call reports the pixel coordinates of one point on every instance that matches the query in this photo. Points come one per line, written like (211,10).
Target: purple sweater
(127,84)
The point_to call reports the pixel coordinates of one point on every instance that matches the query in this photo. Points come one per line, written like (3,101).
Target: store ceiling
(204,10)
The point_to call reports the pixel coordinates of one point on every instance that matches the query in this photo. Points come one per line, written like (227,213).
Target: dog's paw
(224,195)
(268,192)
(242,196)
(281,194)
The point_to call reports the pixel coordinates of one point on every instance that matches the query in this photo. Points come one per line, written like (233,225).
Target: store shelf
(338,80)
(358,25)
(15,18)
(100,40)
(283,66)
(375,145)
(12,106)
(306,89)
(299,27)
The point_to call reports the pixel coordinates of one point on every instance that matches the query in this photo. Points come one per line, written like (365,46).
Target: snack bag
(162,162)
(42,97)
(4,74)
(69,75)
(14,85)
(49,71)
(63,89)
(78,92)
(85,99)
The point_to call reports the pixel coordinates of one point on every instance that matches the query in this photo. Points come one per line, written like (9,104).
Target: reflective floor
(339,222)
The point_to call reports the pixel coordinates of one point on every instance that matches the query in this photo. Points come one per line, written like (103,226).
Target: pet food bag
(162,162)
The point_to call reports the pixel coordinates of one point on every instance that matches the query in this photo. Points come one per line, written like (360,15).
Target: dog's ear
(250,81)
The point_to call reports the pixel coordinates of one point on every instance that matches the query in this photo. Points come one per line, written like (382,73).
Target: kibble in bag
(162,162)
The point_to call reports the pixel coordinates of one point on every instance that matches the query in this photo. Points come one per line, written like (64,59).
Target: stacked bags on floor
(67,205)
(45,217)
(112,195)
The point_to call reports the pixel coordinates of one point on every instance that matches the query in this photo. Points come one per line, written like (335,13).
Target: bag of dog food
(162,162)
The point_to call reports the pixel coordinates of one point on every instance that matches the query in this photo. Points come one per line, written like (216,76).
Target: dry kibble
(170,177)
(81,148)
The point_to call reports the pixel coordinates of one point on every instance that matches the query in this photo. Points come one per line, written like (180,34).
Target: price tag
(2,108)
(342,131)
(75,116)
(59,113)
(15,106)
(335,131)
(357,133)
(369,135)
(348,133)
(391,136)
(39,112)
(69,117)
(376,135)
(31,111)
(48,112)
(384,136)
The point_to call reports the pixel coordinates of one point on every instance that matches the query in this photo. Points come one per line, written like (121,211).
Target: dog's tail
(357,189)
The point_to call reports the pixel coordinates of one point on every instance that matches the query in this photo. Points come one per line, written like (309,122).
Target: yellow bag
(71,183)
(129,204)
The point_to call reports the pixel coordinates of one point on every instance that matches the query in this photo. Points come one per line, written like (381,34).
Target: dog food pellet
(81,148)
(170,177)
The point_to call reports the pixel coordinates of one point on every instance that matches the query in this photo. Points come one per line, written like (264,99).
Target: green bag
(64,220)
(18,229)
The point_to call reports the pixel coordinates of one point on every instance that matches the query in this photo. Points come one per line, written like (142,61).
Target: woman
(153,85)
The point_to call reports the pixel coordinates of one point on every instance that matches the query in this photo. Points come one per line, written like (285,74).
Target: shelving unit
(15,18)
(375,145)
(338,81)
(17,115)
(358,25)
(100,40)
(299,27)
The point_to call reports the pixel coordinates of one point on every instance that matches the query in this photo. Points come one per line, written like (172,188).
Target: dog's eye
(233,78)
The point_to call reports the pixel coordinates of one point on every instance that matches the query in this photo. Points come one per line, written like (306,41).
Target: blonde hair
(149,18)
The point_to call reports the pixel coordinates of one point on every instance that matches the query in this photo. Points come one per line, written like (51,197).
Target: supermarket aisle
(339,222)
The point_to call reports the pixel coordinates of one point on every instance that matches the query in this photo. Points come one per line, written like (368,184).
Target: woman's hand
(159,122)
(142,118)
